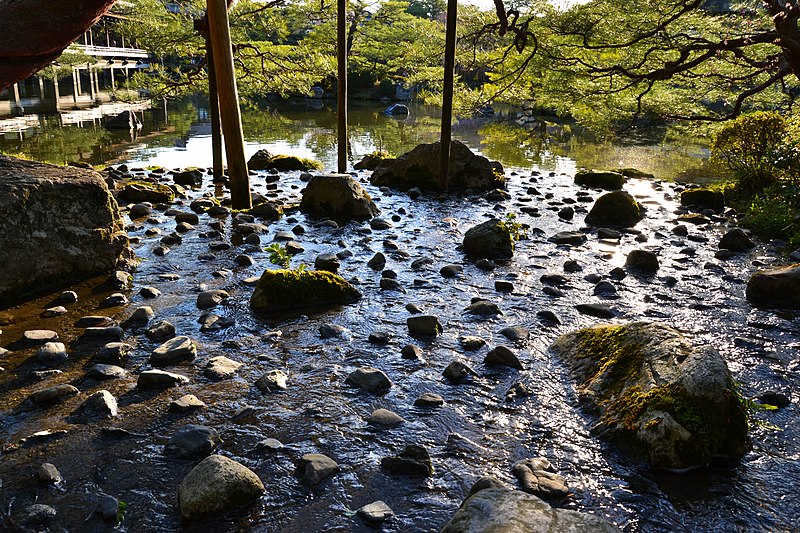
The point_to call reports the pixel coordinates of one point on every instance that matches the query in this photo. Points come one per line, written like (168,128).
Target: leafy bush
(775,213)
(759,148)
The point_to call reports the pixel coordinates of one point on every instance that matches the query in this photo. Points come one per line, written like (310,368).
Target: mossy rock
(263,160)
(602,179)
(662,400)
(136,191)
(616,208)
(291,290)
(635,173)
(371,161)
(489,240)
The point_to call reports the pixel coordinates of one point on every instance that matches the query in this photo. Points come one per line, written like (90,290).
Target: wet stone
(186,403)
(413,308)
(272,381)
(515,333)
(471,343)
(486,265)
(52,353)
(67,297)
(548,317)
(451,271)
(142,315)
(605,288)
(149,292)
(159,379)
(36,337)
(54,311)
(212,298)
(102,372)
(99,406)
(53,395)
(501,355)
(412,352)
(221,367)
(423,326)
(176,350)
(160,331)
(413,461)
(94,322)
(269,444)
(327,262)
(375,512)
(569,238)
(384,417)
(483,308)
(596,310)
(369,379)
(35,516)
(332,331)
(107,507)
(503,286)
(429,399)
(535,479)
(48,473)
(114,353)
(312,468)
(381,338)
(458,372)
(193,442)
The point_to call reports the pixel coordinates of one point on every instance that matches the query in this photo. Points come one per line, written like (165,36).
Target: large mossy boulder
(662,400)
(703,199)
(420,168)
(489,240)
(775,287)
(600,179)
(372,160)
(292,290)
(499,510)
(263,160)
(58,225)
(616,208)
(217,485)
(337,196)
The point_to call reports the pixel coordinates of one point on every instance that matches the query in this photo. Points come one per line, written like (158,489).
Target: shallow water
(319,413)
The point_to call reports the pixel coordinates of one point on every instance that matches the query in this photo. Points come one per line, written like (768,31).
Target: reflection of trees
(53,143)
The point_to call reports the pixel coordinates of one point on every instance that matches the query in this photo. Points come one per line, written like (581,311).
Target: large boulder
(291,290)
(775,287)
(420,168)
(337,196)
(372,160)
(62,225)
(489,240)
(502,510)
(601,179)
(217,485)
(662,400)
(616,208)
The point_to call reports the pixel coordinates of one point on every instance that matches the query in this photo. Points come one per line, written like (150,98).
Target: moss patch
(289,290)
(135,190)
(285,163)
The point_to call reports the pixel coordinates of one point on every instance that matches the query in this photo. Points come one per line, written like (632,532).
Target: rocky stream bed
(405,263)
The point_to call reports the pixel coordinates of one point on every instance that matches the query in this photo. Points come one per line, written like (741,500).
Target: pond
(476,432)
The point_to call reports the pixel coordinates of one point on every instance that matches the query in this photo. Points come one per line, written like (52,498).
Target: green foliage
(515,230)
(757,148)
(278,255)
(122,507)
(773,213)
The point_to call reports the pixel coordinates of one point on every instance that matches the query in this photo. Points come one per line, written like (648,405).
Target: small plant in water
(278,255)
(515,229)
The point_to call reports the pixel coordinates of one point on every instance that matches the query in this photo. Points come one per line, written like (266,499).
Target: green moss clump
(137,191)
(285,163)
(289,290)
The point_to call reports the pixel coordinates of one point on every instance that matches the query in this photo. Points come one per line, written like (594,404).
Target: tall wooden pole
(216,127)
(219,33)
(447,92)
(341,44)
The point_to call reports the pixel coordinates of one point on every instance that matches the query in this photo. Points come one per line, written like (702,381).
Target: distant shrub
(759,148)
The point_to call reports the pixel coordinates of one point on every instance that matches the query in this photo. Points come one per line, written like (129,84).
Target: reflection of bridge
(109,61)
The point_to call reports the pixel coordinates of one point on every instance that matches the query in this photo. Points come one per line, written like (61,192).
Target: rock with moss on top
(662,400)
(489,240)
(337,196)
(602,179)
(618,209)
(291,290)
(263,160)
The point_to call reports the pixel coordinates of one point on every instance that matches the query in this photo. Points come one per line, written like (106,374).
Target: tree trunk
(447,92)
(219,32)
(35,32)
(341,43)
(213,108)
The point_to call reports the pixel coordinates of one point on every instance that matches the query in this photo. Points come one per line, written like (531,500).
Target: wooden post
(216,128)
(341,45)
(447,92)
(219,33)
(56,92)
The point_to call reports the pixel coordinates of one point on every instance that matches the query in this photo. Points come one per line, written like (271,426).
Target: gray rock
(99,406)
(483,308)
(370,380)
(510,511)
(160,331)
(193,442)
(375,512)
(412,352)
(212,298)
(159,379)
(377,262)
(515,333)
(451,271)
(176,350)
(52,353)
(501,355)
(384,417)
(142,315)
(217,485)
(661,399)
(429,399)
(471,343)
(221,367)
(312,468)
(423,326)
(272,381)
(736,240)
(596,310)
(457,372)
(642,262)
(488,240)
(101,371)
(600,179)
(535,478)
(107,507)
(571,238)
(114,353)
(327,262)
(62,224)
(37,337)
(52,395)
(51,312)
(35,516)
(48,473)
(413,461)
(186,403)
(269,444)
(775,287)
(337,196)
(332,331)
(102,335)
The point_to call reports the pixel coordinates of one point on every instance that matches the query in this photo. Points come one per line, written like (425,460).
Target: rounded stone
(217,485)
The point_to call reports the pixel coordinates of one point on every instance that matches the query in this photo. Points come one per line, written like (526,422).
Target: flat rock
(272,381)
(221,367)
(176,350)
(185,403)
(193,442)
(53,395)
(384,417)
(159,379)
(375,512)
(370,380)
(312,468)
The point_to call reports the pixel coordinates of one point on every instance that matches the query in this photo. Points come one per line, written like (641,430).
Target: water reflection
(180,135)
